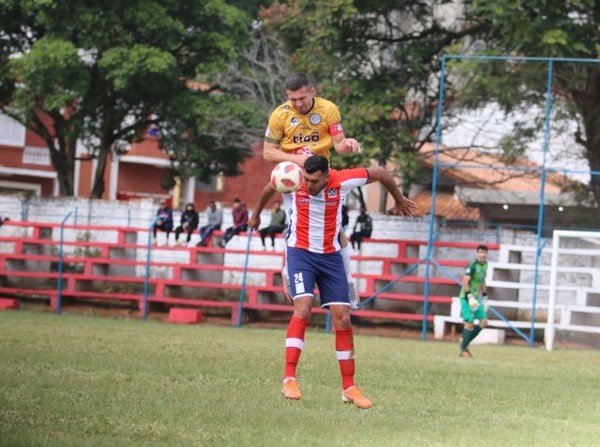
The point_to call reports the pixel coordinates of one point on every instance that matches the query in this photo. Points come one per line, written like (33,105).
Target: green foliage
(381,59)
(53,73)
(378,61)
(542,29)
(116,68)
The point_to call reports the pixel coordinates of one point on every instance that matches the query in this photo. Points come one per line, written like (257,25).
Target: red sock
(344,350)
(294,342)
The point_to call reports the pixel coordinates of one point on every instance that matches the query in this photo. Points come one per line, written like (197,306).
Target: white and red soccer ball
(286,177)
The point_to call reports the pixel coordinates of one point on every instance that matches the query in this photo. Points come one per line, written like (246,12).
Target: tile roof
(522,175)
(447,205)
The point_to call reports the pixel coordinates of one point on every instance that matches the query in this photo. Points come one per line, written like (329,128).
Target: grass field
(78,381)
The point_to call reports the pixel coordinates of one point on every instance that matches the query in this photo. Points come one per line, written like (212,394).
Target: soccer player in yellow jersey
(303,126)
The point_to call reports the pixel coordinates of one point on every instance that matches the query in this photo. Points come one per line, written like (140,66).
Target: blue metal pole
(540,225)
(147,275)
(243,291)
(438,131)
(60,264)
(128,217)
(23,212)
(75,217)
(523,58)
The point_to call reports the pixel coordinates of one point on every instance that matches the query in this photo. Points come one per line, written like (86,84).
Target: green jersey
(477,271)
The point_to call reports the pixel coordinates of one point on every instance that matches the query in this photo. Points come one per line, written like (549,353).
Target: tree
(379,61)
(568,30)
(102,72)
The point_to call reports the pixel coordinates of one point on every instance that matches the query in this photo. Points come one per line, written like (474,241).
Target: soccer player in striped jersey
(308,125)
(314,259)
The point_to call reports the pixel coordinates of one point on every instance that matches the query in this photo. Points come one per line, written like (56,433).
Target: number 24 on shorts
(299,283)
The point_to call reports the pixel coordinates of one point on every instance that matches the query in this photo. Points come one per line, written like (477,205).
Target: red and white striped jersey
(316,221)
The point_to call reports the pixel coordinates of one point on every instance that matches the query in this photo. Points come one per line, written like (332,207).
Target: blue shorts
(307,269)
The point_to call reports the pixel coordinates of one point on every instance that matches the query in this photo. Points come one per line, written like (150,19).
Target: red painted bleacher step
(9,303)
(185,316)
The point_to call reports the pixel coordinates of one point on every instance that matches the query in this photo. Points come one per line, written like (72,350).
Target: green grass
(73,380)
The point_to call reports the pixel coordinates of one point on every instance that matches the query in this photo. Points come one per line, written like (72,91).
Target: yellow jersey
(299,133)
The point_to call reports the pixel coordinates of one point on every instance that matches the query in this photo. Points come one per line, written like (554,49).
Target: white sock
(345,252)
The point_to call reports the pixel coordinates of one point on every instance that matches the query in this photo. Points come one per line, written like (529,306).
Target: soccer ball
(286,177)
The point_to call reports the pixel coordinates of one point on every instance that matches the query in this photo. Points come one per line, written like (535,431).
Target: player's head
(300,91)
(316,174)
(482,252)
(189,207)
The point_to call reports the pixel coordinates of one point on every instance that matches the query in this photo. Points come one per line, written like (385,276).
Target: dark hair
(482,248)
(316,163)
(190,204)
(236,200)
(296,81)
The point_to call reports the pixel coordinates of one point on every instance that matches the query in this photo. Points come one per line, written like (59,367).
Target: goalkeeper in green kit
(472,294)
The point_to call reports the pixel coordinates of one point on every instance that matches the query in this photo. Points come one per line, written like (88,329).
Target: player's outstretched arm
(265,195)
(404,206)
(272,152)
(343,145)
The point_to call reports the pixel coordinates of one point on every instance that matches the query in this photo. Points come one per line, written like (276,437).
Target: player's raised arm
(404,206)
(265,195)
(343,145)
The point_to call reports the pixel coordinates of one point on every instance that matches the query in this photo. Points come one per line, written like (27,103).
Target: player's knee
(483,323)
(469,326)
(342,322)
(302,308)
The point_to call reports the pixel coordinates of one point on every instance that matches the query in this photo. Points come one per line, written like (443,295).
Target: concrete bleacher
(109,264)
(512,289)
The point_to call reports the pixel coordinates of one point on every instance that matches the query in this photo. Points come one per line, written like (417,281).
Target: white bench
(496,330)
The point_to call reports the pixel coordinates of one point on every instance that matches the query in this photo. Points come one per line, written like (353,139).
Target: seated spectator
(362,228)
(276,226)
(6,219)
(240,221)
(215,219)
(165,220)
(189,222)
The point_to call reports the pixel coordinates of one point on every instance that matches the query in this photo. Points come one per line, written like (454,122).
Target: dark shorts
(326,271)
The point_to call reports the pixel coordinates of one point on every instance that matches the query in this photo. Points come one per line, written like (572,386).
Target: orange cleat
(355,396)
(290,389)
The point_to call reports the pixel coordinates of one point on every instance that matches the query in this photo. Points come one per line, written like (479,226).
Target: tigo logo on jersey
(315,118)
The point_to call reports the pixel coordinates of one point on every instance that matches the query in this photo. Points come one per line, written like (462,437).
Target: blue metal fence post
(540,225)
(245,274)
(23,210)
(147,274)
(60,264)
(431,235)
